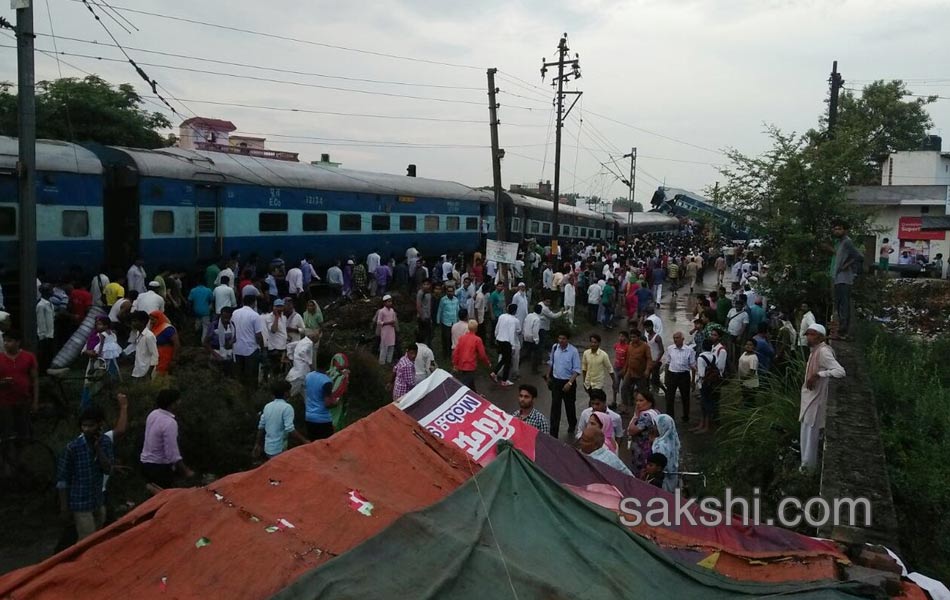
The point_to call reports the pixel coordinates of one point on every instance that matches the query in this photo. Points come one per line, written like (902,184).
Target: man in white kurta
(822,366)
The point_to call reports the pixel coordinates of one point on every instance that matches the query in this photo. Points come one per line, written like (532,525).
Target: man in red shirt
(19,391)
(80,300)
(620,361)
(469,350)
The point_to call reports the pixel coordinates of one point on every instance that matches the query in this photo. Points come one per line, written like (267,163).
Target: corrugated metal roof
(897,195)
(646,218)
(52,155)
(199,165)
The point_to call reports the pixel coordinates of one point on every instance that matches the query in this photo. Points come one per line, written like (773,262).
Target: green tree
(87,110)
(878,122)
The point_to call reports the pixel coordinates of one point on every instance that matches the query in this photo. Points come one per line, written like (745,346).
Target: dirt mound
(912,306)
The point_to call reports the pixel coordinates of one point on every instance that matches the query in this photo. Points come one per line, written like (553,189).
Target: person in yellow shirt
(113,291)
(596,366)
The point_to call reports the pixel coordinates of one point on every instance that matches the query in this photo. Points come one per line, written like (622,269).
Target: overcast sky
(708,73)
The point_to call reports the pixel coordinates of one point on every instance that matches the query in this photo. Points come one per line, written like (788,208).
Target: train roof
(646,219)
(576,211)
(51,155)
(197,165)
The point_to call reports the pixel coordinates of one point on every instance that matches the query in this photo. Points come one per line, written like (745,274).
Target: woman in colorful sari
(631,298)
(602,421)
(103,350)
(313,316)
(166,338)
(667,443)
(643,421)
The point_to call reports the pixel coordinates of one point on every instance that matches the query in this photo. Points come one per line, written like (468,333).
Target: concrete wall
(916,168)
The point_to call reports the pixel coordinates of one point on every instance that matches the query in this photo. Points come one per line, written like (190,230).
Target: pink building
(201,133)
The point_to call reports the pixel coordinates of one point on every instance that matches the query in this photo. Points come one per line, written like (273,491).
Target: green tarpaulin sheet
(512,532)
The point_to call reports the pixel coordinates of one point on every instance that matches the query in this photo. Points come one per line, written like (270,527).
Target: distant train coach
(103,205)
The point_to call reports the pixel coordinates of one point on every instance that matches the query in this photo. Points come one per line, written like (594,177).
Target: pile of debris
(912,306)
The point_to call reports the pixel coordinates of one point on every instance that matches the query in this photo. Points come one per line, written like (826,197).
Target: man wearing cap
(151,300)
(520,300)
(822,365)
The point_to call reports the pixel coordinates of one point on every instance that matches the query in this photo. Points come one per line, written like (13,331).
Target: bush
(912,389)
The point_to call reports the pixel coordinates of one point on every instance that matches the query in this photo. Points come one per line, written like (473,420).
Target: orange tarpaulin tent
(250,534)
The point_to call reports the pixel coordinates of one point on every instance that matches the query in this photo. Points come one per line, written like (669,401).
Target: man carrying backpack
(710,368)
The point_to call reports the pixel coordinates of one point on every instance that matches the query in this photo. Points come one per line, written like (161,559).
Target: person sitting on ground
(653,473)
(591,443)
(80,478)
(276,426)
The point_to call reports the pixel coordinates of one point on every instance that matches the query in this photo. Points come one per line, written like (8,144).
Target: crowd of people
(261,323)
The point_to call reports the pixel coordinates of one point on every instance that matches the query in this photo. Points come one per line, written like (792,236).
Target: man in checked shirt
(527,412)
(87,459)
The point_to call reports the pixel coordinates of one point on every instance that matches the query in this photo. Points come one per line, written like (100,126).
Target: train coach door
(207,222)
(120,204)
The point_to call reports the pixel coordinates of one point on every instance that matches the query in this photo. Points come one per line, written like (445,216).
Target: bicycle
(28,465)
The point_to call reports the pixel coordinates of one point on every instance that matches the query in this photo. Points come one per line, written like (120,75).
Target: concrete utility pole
(562,61)
(26,170)
(496,156)
(836,83)
(501,229)
(632,183)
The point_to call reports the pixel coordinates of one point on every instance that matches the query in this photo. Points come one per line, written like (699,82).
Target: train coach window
(545,228)
(452,223)
(314,222)
(534,227)
(598,234)
(380,222)
(471,223)
(432,223)
(7,220)
(75,223)
(516,225)
(163,222)
(351,222)
(407,223)
(565,230)
(272,221)
(583,232)
(207,221)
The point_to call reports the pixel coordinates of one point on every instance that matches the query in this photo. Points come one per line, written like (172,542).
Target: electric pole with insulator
(632,183)
(836,82)
(563,60)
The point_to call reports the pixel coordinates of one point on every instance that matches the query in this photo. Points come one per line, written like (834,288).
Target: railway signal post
(563,60)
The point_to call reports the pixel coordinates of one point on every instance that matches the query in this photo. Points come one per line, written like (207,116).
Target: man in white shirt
(448,269)
(151,300)
(294,321)
(679,362)
(425,359)
(520,299)
(44,329)
(459,328)
(335,278)
(593,301)
(517,268)
(145,348)
(531,334)
(229,273)
(275,337)
(570,297)
(547,278)
(491,269)
(592,444)
(372,262)
(302,361)
(507,331)
(99,283)
(248,341)
(135,278)
(808,319)
(294,282)
(224,295)
(598,403)
(737,322)
(412,259)
(655,319)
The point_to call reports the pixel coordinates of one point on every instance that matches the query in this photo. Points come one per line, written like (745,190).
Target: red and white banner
(908,228)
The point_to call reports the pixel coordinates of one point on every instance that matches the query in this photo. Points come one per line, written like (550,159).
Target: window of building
(207,221)
(432,223)
(452,223)
(272,221)
(471,223)
(163,222)
(351,222)
(313,221)
(407,223)
(545,228)
(380,222)
(534,226)
(75,223)
(924,210)
(516,225)
(7,220)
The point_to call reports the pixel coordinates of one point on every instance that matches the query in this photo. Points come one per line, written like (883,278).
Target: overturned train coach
(103,205)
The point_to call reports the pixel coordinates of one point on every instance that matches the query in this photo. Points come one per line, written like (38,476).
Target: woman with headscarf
(602,421)
(313,316)
(642,423)
(166,338)
(667,443)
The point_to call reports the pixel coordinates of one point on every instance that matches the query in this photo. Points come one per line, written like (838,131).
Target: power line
(660,135)
(285,38)
(269,68)
(911,95)
(279,81)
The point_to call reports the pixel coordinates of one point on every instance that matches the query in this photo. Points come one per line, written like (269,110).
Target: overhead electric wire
(285,37)
(270,68)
